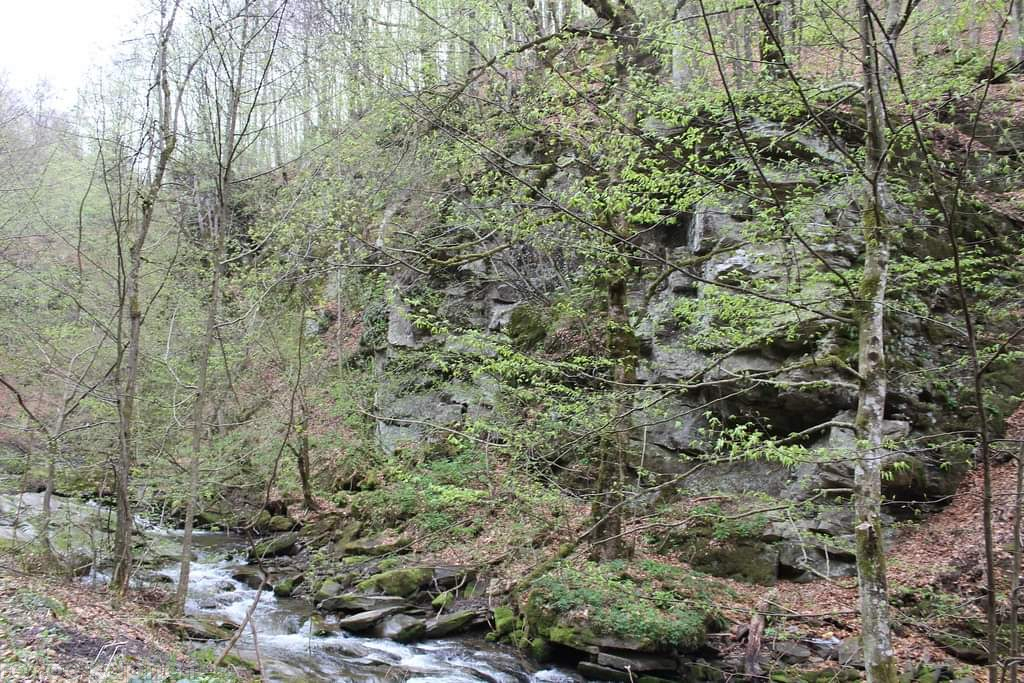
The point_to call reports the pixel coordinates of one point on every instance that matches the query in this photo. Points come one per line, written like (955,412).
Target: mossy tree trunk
(876,636)
(606,509)
(606,534)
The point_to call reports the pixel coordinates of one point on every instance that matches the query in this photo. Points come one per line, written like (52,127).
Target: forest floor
(52,630)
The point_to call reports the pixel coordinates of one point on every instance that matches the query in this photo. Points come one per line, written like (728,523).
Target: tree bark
(879,659)
(606,510)
(128,370)
(198,414)
(1015,585)
(1018,24)
(302,459)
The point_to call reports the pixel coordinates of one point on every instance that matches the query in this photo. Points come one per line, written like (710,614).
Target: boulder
(672,361)
(198,628)
(401,330)
(282,544)
(791,651)
(443,600)
(251,576)
(447,624)
(375,545)
(637,662)
(449,577)
(804,561)
(286,587)
(714,228)
(328,589)
(281,523)
(364,621)
(401,582)
(598,672)
(355,602)
(672,423)
(745,559)
(319,625)
(504,620)
(403,628)
(428,407)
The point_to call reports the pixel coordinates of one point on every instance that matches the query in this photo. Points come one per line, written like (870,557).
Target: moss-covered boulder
(400,582)
(197,628)
(281,523)
(746,559)
(446,624)
(282,544)
(213,519)
(374,546)
(504,620)
(527,326)
(286,587)
(443,600)
(403,628)
(640,606)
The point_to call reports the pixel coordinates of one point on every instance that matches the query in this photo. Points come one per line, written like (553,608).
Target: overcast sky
(59,40)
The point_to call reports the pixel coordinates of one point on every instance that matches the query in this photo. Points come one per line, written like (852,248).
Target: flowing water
(290,653)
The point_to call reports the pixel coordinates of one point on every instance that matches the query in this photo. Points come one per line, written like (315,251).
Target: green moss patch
(400,582)
(641,605)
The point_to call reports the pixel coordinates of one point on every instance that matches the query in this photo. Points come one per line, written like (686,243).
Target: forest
(545,340)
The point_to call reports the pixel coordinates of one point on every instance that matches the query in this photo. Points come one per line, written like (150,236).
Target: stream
(290,653)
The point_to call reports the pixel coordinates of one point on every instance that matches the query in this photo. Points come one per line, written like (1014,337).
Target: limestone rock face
(701,370)
(409,419)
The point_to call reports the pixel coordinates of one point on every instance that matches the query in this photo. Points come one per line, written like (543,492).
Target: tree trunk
(1018,34)
(302,459)
(879,659)
(606,510)
(52,450)
(1015,585)
(773,58)
(126,413)
(198,413)
(128,365)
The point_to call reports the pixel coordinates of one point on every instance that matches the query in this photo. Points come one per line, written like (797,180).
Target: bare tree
(230,117)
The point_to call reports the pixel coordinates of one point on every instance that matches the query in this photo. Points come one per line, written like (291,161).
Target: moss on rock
(400,582)
(504,620)
(642,606)
(526,326)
